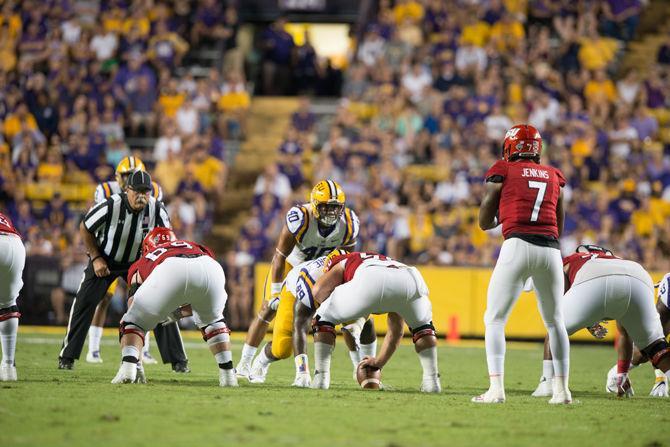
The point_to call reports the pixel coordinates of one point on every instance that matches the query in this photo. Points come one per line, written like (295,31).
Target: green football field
(48,407)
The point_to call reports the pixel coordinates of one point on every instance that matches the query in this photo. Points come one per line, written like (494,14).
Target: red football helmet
(522,141)
(157,236)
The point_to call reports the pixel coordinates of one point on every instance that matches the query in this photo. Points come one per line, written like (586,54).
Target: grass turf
(48,407)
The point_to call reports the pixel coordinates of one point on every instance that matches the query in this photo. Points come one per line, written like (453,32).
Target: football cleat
(490,397)
(8,373)
(321,380)
(545,388)
(302,380)
(243,369)
(561,398)
(148,359)
(127,373)
(258,373)
(141,377)
(431,385)
(660,388)
(227,378)
(610,385)
(65,363)
(93,357)
(181,367)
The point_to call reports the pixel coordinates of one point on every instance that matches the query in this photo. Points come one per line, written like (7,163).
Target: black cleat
(181,367)
(65,363)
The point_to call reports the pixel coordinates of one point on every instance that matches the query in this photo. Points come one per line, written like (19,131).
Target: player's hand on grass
(100,267)
(623,385)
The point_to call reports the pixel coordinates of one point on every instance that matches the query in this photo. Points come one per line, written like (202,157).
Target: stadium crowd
(426,101)
(82,81)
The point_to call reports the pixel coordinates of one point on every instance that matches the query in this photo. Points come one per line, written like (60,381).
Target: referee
(113,231)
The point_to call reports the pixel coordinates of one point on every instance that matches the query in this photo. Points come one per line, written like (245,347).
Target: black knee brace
(322,326)
(9,312)
(423,331)
(656,351)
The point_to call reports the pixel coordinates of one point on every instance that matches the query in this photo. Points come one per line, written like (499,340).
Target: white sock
(369,350)
(224,358)
(355,358)
(495,348)
(263,359)
(145,348)
(548,369)
(130,351)
(428,359)
(94,336)
(560,349)
(8,330)
(322,354)
(248,353)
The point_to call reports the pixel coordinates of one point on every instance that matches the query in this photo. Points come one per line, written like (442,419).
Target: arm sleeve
(162,217)
(499,169)
(561,178)
(96,216)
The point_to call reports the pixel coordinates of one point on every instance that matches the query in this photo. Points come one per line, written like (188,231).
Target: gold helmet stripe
(333,189)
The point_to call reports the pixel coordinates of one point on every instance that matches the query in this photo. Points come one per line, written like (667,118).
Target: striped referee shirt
(119,230)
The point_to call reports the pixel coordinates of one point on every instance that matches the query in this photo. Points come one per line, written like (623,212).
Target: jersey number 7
(541,189)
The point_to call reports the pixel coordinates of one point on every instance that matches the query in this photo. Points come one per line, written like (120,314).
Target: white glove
(610,384)
(660,388)
(141,377)
(302,380)
(623,385)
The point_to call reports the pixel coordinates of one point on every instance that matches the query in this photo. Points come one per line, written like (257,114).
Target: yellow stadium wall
(459,294)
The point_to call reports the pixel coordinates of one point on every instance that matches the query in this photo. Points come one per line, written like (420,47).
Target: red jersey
(147,263)
(574,262)
(529,197)
(353,261)
(6,225)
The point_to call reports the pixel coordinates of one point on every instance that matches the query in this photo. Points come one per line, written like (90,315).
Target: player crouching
(358,284)
(170,274)
(605,287)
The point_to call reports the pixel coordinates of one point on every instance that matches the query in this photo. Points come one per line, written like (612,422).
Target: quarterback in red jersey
(602,287)
(526,198)
(359,284)
(12,261)
(172,274)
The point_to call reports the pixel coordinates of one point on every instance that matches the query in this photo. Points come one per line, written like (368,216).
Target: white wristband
(301,364)
(275,288)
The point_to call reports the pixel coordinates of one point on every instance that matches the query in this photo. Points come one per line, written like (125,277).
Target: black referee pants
(91,291)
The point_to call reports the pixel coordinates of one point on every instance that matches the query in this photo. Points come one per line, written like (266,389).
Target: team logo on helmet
(156,237)
(522,141)
(327,199)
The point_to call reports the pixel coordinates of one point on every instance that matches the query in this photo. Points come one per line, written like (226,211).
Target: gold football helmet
(327,199)
(127,166)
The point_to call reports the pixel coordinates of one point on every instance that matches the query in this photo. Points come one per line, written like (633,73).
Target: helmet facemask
(329,213)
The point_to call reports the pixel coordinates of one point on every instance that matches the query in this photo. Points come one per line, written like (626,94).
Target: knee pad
(656,351)
(127,327)
(9,312)
(216,332)
(319,325)
(423,331)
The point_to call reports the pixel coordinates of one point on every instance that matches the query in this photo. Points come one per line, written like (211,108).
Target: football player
(601,287)
(660,387)
(526,198)
(297,285)
(356,285)
(170,274)
(103,191)
(12,261)
(312,230)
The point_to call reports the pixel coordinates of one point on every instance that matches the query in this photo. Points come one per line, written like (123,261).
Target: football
(369,378)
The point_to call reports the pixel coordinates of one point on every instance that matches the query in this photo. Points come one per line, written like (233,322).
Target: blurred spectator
(278,47)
